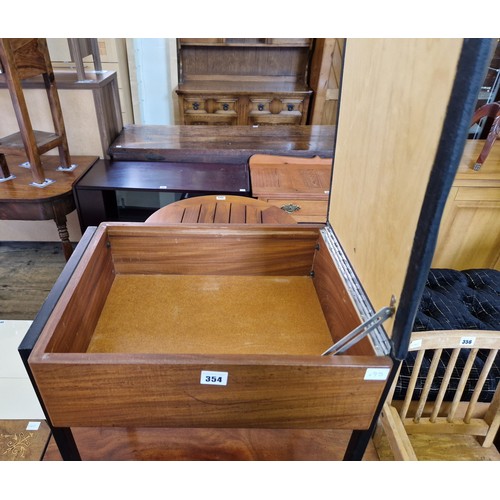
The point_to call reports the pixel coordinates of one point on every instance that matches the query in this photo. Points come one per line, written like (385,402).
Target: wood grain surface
(113,443)
(212,249)
(209,143)
(218,209)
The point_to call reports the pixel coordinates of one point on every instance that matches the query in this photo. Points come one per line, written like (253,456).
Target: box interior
(171,290)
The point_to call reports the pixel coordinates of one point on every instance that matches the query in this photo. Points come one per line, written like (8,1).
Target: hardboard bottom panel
(211,315)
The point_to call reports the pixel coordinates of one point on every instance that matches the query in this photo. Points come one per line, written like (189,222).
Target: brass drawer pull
(290,208)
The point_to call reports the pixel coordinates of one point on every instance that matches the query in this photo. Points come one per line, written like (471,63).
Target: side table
(95,192)
(19,200)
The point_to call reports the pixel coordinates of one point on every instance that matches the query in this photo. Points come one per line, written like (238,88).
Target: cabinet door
(469,236)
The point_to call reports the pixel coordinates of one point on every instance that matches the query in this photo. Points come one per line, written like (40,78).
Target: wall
(153,76)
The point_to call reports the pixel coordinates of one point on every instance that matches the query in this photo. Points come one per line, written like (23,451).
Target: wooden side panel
(195,249)
(264,392)
(70,327)
(336,303)
(395,93)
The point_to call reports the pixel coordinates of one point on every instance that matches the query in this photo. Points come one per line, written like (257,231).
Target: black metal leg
(357,445)
(66,443)
(62,435)
(361,438)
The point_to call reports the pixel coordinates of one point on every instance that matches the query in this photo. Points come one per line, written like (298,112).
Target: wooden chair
(220,209)
(23,58)
(441,430)
(491,110)
(83,47)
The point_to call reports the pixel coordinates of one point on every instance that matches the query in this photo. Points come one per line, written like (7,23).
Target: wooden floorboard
(28,270)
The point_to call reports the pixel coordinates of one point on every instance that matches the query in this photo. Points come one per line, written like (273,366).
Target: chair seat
(442,447)
(45,141)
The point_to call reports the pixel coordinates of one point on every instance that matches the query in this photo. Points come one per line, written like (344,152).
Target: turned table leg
(62,228)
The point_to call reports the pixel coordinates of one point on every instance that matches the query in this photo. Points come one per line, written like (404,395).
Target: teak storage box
(225,326)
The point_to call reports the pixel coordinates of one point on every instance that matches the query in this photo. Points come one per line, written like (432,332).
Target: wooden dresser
(299,186)
(243,81)
(469,236)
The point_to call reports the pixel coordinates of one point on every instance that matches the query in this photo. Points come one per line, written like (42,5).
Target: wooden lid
(395,93)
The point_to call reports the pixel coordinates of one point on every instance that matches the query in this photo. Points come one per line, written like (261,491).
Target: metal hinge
(362,330)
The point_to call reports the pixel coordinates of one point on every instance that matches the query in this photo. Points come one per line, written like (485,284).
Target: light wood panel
(382,162)
(469,235)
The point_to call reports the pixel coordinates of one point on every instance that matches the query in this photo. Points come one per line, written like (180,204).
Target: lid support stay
(362,330)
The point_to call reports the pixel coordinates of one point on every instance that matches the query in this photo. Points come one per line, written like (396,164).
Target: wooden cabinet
(469,236)
(298,186)
(243,81)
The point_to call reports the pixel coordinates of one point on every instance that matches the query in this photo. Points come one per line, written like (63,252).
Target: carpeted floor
(28,270)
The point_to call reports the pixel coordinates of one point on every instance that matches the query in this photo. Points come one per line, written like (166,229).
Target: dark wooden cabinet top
(167,176)
(220,144)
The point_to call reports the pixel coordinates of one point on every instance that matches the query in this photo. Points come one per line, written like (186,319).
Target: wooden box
(210,326)
(235,304)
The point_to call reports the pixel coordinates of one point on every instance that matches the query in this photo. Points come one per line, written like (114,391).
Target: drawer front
(210,110)
(303,392)
(302,210)
(275,110)
(207,119)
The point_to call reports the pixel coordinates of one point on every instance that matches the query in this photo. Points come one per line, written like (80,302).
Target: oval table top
(220,209)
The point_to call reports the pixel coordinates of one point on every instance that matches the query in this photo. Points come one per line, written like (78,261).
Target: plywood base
(211,315)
